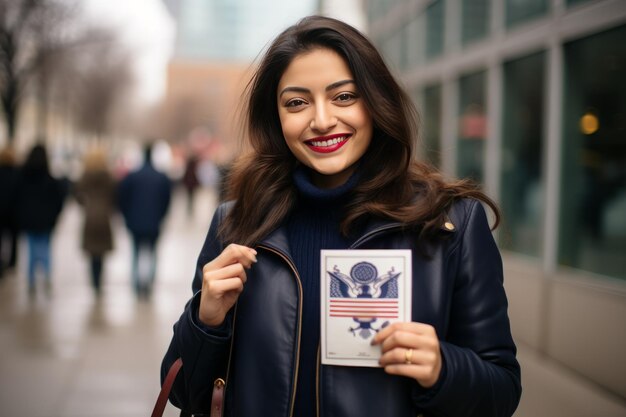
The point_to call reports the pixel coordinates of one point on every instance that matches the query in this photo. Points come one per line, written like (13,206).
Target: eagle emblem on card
(364,296)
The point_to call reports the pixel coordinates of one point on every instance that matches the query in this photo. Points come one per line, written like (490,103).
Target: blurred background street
(526,97)
(69,353)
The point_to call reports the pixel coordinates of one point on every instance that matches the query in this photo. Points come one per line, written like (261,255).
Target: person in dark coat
(8,221)
(144,198)
(191,181)
(332,165)
(95,192)
(39,202)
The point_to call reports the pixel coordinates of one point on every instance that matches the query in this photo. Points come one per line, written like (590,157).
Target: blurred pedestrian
(144,198)
(190,181)
(95,192)
(39,202)
(8,219)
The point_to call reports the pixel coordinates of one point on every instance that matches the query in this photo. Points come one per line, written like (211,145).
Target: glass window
(377,9)
(472,130)
(431,125)
(392,50)
(435,29)
(371,11)
(521,191)
(574,2)
(518,11)
(403,40)
(414,42)
(417,42)
(593,181)
(474,20)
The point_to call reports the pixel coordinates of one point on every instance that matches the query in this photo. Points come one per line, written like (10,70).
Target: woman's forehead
(319,67)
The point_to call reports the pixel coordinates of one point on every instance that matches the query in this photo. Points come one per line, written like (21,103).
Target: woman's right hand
(222,282)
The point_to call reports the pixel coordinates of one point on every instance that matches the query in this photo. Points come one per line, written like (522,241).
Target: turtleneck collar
(314,194)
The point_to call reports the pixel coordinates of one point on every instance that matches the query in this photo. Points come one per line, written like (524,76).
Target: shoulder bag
(217,399)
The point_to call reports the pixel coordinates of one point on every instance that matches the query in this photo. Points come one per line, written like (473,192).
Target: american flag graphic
(364,308)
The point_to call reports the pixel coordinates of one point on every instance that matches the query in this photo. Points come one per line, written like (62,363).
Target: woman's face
(323,117)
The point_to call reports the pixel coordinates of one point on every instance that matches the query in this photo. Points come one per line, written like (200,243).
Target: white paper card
(362,291)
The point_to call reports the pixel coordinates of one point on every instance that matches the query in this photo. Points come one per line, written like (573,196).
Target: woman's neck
(308,188)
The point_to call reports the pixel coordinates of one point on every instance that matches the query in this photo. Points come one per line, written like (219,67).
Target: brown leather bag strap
(217,399)
(161,402)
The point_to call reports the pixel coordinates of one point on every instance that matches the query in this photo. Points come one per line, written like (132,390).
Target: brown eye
(294,103)
(345,97)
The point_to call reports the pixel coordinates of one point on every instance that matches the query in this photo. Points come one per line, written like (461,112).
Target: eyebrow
(329,87)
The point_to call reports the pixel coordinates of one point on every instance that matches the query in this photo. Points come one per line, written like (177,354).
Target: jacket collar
(278,238)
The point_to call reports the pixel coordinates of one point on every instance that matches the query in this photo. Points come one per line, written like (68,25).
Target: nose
(323,120)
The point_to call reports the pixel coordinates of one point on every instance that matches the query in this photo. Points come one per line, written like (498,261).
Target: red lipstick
(327,144)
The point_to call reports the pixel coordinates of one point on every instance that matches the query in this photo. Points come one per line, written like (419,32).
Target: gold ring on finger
(408,354)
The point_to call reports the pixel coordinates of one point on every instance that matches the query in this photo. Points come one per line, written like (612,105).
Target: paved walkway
(68,354)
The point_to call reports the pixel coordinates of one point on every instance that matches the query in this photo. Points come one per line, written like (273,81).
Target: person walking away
(8,221)
(39,202)
(144,198)
(191,182)
(95,192)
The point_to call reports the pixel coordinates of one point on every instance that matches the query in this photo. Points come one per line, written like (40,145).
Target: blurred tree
(30,34)
(98,82)
(49,52)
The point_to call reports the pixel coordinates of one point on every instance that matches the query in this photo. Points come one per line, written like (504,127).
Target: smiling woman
(332,166)
(324,120)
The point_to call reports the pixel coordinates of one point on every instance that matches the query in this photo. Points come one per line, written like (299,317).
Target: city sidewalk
(68,354)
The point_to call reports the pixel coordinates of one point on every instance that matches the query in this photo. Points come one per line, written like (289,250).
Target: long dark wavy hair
(393,185)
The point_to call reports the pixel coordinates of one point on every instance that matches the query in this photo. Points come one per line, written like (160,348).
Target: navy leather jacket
(457,289)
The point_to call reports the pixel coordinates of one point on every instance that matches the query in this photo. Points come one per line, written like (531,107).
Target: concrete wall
(573,318)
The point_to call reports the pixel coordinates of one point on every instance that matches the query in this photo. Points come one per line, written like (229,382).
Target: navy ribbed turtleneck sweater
(313,225)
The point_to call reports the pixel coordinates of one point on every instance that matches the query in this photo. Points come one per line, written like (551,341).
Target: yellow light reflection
(589,123)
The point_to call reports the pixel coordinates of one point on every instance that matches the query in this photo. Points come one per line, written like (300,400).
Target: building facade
(528,97)
(231,30)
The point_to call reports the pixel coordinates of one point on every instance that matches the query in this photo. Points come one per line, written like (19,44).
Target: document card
(362,292)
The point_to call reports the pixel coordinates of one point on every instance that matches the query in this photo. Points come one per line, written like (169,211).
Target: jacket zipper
(299,282)
(230,354)
(355,245)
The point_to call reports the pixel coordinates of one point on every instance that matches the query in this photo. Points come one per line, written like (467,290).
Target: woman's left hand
(410,349)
